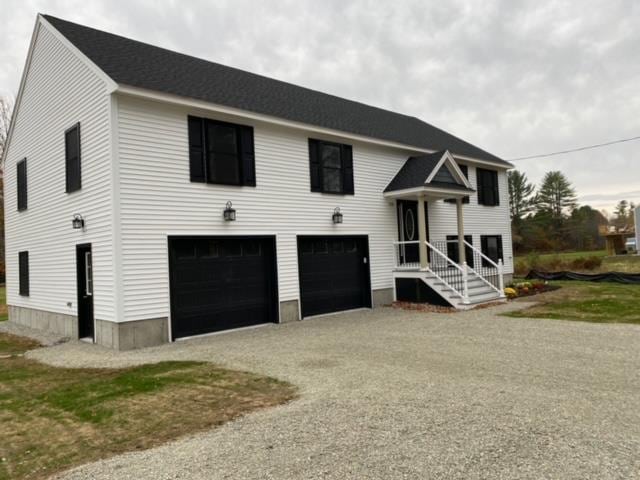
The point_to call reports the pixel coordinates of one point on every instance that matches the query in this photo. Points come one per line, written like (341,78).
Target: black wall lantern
(77,222)
(229,213)
(337,216)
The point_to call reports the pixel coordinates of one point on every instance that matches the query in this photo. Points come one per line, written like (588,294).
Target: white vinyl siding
(478,219)
(59,91)
(158,200)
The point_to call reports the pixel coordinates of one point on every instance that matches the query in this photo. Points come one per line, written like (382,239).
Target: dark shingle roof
(137,64)
(416,170)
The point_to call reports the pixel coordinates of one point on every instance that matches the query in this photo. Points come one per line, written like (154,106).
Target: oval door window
(409,225)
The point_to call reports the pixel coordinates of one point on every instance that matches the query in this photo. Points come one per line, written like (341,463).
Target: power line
(572,150)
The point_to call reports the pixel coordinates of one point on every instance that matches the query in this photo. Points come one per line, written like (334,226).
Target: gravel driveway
(392,394)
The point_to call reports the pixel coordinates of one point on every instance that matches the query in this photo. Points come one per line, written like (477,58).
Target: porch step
(478,290)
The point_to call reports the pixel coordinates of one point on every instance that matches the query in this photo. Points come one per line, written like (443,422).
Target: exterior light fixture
(77,222)
(229,213)
(337,216)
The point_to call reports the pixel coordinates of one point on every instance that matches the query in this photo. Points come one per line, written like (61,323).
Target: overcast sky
(515,78)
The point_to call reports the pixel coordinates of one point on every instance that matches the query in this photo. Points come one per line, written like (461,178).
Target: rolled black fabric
(617,277)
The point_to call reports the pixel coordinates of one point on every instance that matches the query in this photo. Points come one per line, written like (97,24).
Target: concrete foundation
(289,311)
(381,297)
(132,335)
(508,278)
(60,323)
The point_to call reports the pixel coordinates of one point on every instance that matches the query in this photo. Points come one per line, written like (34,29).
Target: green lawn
(588,262)
(52,419)
(587,302)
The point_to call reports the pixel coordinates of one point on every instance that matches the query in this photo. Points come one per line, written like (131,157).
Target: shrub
(510,292)
(593,262)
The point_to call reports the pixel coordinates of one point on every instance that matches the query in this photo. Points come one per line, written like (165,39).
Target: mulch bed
(535,291)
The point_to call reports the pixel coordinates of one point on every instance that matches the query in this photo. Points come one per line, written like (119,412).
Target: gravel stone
(395,394)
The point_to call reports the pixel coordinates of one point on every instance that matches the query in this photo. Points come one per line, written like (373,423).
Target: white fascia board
(41,22)
(426,190)
(111,85)
(448,158)
(213,107)
(16,106)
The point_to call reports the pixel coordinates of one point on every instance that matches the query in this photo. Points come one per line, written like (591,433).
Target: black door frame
(368,288)
(274,312)
(86,327)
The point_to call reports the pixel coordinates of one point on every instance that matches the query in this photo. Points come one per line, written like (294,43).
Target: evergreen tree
(520,192)
(556,196)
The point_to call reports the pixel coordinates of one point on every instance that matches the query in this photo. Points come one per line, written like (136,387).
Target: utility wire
(580,149)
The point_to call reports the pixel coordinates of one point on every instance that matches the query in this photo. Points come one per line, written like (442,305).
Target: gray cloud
(516,78)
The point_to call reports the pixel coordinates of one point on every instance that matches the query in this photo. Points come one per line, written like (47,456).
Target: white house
(152,196)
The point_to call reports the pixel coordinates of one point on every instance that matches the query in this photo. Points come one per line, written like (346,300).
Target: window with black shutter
(491,246)
(331,167)
(465,171)
(221,152)
(22,184)
(23,273)
(488,193)
(72,158)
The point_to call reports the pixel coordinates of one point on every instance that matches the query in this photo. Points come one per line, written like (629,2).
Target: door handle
(364,260)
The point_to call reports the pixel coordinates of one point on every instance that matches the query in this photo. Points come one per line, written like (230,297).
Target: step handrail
(499,266)
(465,283)
(481,254)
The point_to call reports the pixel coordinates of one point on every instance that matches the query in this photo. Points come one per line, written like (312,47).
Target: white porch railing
(406,255)
(490,272)
(452,274)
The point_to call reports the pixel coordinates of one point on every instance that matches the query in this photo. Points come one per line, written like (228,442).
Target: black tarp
(616,277)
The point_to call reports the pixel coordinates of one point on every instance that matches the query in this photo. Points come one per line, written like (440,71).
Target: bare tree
(6,108)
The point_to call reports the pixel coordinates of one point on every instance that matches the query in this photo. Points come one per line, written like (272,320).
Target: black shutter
(247,156)
(496,193)
(314,166)
(347,169)
(197,172)
(22,184)
(499,243)
(480,185)
(23,273)
(72,159)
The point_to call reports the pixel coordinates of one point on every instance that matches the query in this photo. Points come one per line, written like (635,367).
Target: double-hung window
(331,167)
(491,246)
(488,193)
(221,152)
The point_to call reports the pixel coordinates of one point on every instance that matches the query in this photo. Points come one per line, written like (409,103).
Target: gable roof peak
(135,64)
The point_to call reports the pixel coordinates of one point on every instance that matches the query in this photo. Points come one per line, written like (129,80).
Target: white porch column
(422,233)
(462,257)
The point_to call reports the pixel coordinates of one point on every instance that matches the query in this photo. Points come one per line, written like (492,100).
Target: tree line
(549,218)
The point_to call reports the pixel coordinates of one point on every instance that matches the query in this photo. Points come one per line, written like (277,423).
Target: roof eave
(189,102)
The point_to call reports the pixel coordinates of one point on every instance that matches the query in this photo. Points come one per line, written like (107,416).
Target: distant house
(152,196)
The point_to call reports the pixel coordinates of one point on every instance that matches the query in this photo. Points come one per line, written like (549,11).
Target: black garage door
(219,283)
(334,274)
